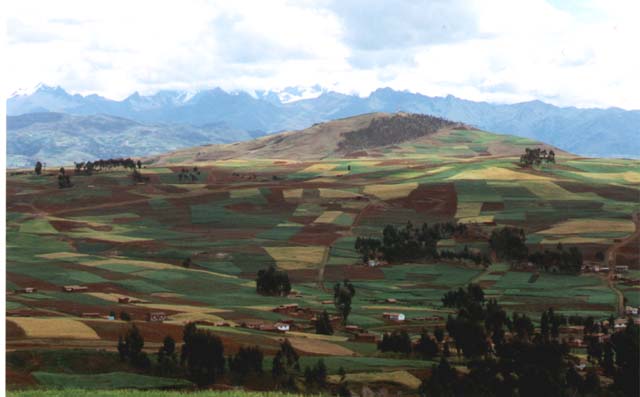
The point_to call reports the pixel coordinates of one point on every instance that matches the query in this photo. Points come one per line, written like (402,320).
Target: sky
(568,53)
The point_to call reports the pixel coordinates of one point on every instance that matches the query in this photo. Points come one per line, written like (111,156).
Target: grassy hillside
(148,393)
(122,239)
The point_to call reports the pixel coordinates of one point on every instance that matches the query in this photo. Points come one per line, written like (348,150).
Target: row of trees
(536,157)
(89,167)
(408,242)
(509,244)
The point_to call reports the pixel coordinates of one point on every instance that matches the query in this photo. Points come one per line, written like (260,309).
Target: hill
(57,138)
(588,132)
(371,135)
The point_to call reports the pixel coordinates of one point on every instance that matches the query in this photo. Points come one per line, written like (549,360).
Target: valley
(298,201)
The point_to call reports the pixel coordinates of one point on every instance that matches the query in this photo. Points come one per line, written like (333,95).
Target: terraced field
(121,239)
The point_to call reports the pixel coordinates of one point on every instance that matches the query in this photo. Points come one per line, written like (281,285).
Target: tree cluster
(536,157)
(315,378)
(189,175)
(130,348)
(323,324)
(202,355)
(509,243)
(566,261)
(465,254)
(408,242)
(273,282)
(397,341)
(89,167)
(246,363)
(286,366)
(64,181)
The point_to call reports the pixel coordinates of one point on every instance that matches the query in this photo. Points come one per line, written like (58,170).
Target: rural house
(156,317)
(74,288)
(393,316)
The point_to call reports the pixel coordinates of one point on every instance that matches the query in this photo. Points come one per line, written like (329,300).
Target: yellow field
(167,294)
(242,193)
(185,318)
(111,236)
(328,217)
(57,327)
(468,209)
(330,338)
(628,176)
(181,308)
(389,192)
(575,240)
(110,297)
(290,258)
(319,167)
(316,346)
(160,170)
(497,173)
(477,219)
(579,226)
(61,255)
(334,193)
(150,265)
(550,191)
(398,377)
(292,193)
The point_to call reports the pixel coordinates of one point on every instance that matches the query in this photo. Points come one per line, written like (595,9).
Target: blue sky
(570,53)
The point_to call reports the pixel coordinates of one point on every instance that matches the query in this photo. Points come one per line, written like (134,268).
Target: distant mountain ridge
(590,132)
(58,138)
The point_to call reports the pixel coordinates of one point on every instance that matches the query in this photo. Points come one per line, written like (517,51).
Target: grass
(77,392)
(112,380)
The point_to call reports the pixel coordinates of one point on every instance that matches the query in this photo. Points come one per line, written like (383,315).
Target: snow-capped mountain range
(241,115)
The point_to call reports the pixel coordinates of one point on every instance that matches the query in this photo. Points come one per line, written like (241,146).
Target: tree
(202,354)
(247,362)
(130,348)
(426,347)
(38,168)
(273,282)
(342,296)
(509,243)
(442,382)
(315,378)
(167,360)
(286,366)
(438,332)
(139,164)
(186,263)
(323,324)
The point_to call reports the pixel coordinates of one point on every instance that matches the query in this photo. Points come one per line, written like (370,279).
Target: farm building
(123,300)
(393,316)
(253,324)
(353,328)
(156,317)
(630,310)
(290,307)
(74,288)
(327,302)
(366,337)
(27,290)
(91,315)
(391,300)
(282,327)
(622,269)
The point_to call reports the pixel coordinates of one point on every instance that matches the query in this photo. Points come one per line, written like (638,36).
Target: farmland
(121,239)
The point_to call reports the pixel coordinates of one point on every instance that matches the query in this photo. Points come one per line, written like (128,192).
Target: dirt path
(611,262)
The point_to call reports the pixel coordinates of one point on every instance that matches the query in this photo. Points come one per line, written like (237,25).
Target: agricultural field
(120,239)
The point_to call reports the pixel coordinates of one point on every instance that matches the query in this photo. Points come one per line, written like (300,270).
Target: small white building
(282,327)
(630,310)
(394,316)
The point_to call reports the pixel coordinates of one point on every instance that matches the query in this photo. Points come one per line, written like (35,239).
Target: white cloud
(567,53)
